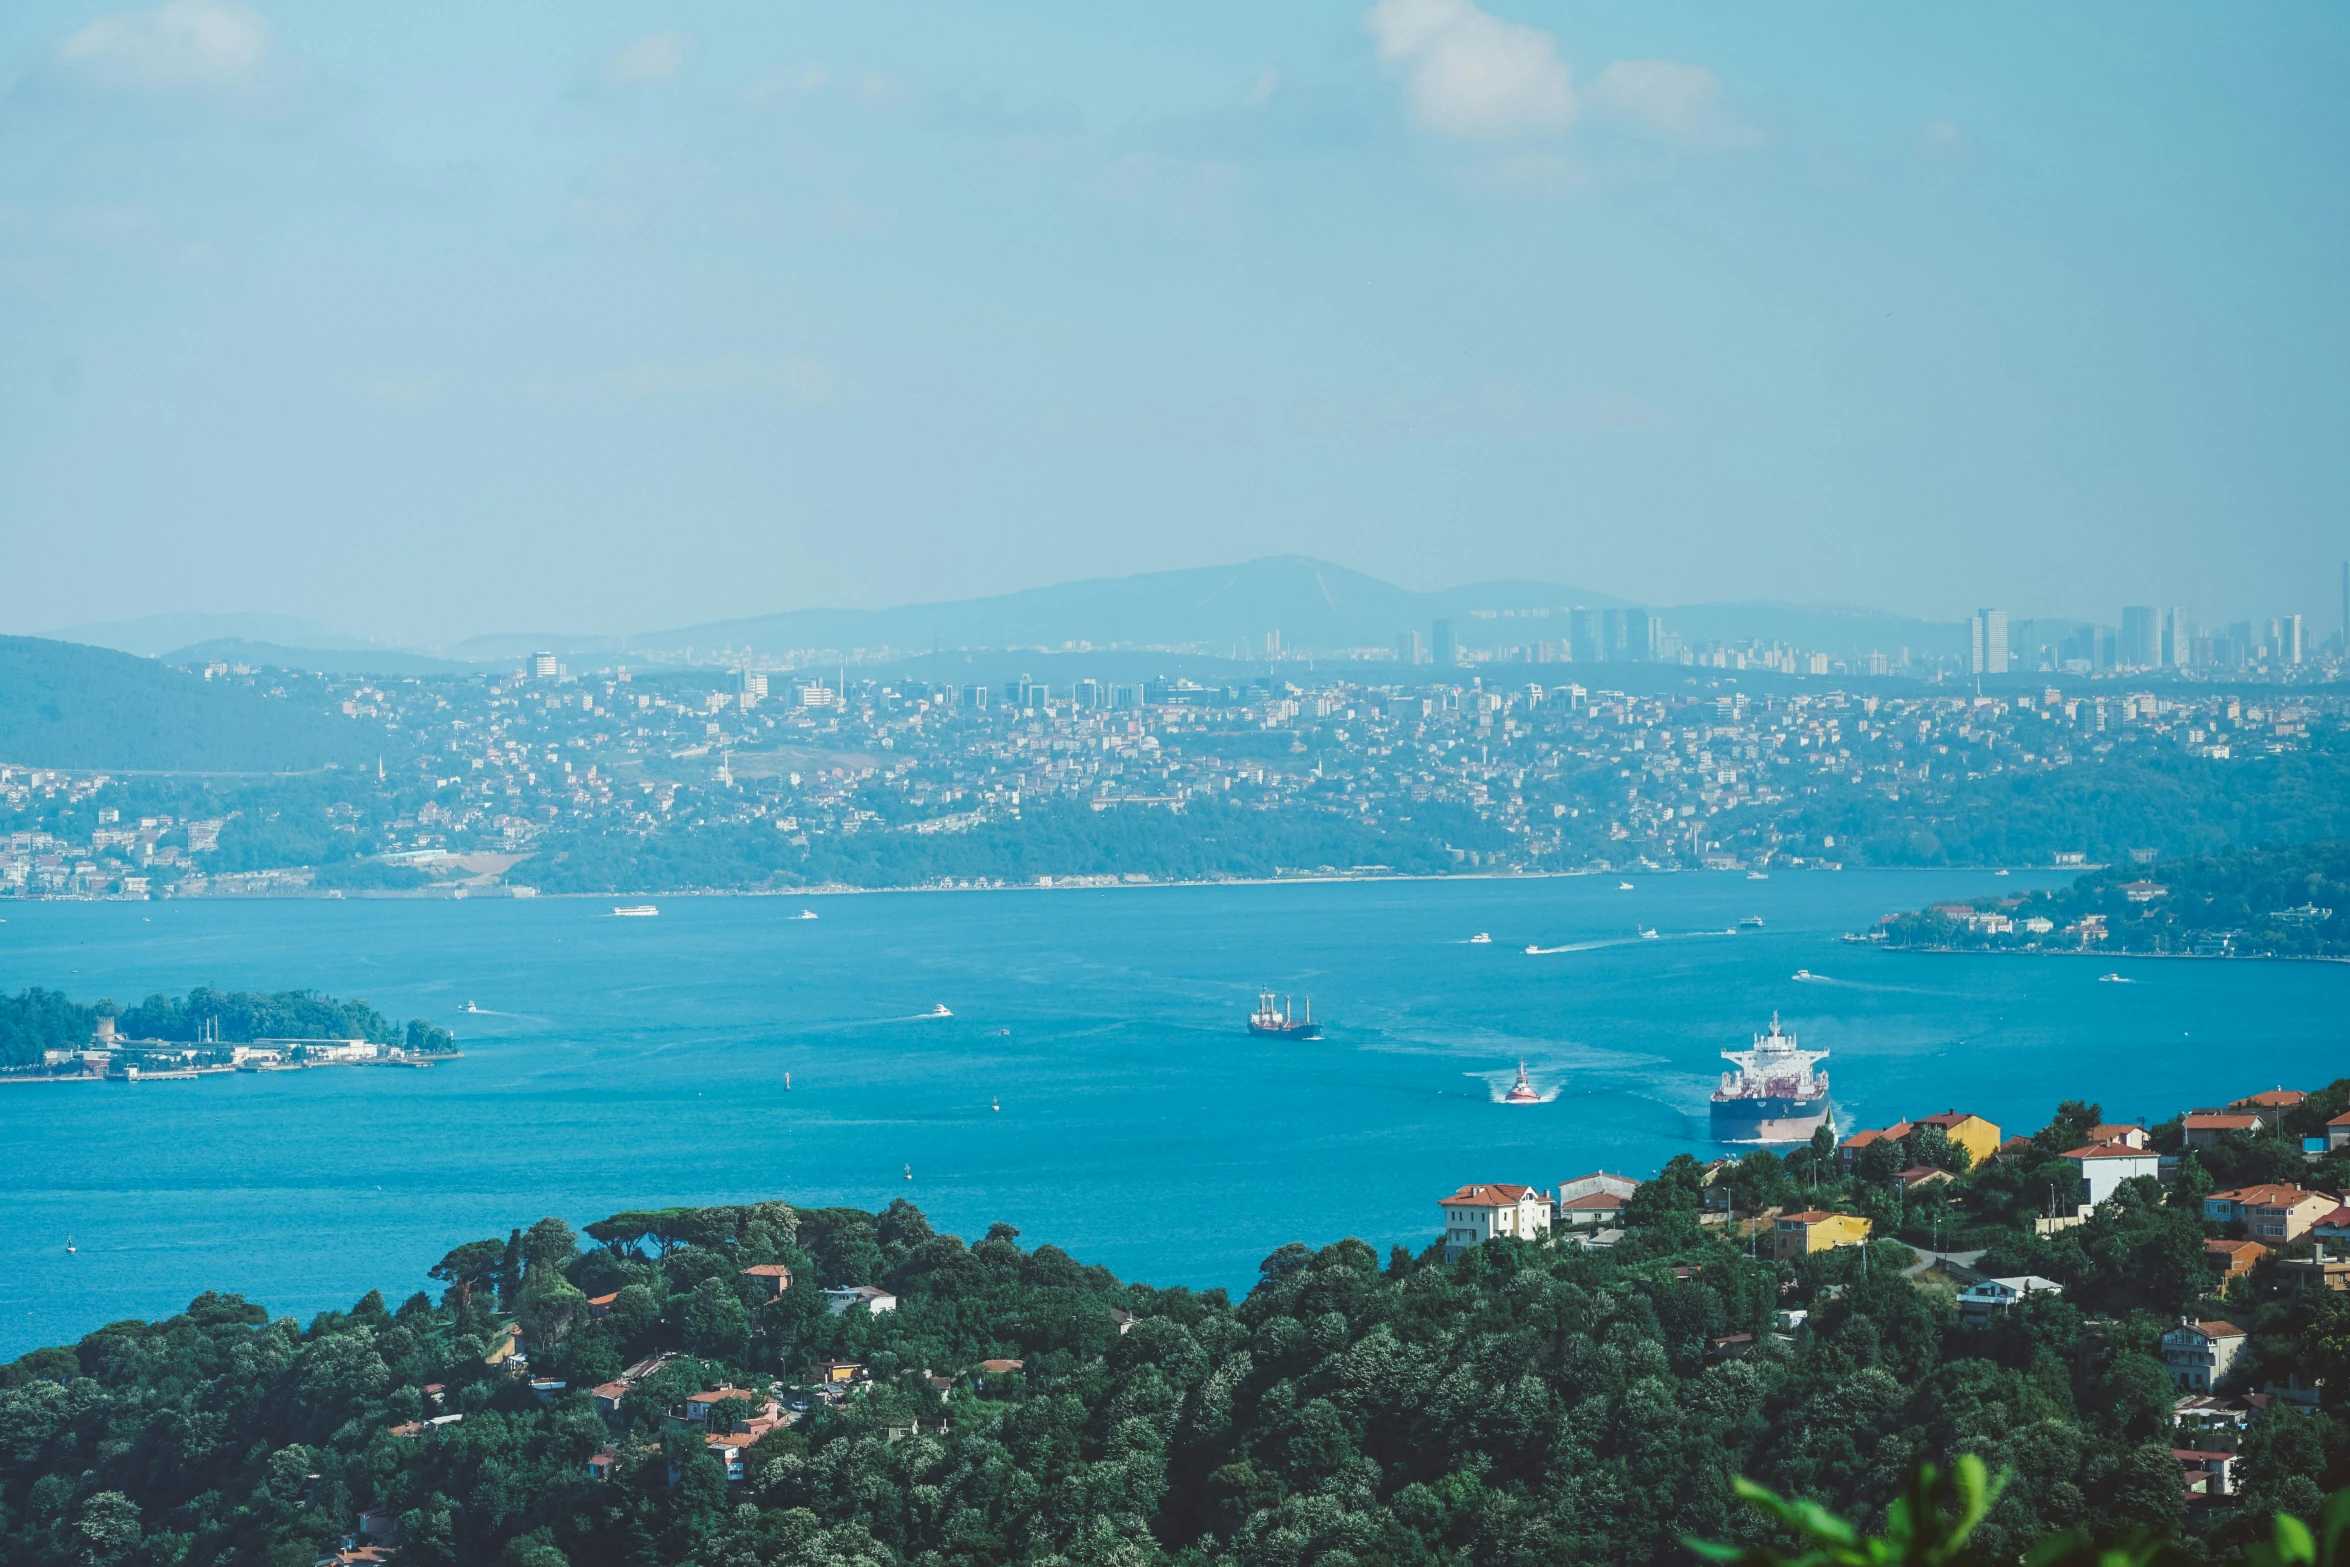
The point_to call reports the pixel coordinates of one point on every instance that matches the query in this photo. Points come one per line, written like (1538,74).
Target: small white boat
(2114,979)
(1757,876)
(1623,886)
(939,1011)
(1999,873)
(805,914)
(1481,939)
(997,1105)
(1532,950)
(469,1007)
(1647,934)
(634,911)
(1804,973)
(70,1247)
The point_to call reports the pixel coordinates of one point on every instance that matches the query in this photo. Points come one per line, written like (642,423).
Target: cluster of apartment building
(1571,773)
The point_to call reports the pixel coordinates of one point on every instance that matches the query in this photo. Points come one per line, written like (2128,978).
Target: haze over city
(432,323)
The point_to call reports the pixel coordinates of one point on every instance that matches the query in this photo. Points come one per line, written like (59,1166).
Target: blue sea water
(634,1062)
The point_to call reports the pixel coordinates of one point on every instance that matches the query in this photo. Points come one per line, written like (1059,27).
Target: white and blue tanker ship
(1774,1096)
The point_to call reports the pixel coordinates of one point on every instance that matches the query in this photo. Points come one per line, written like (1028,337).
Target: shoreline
(2128,957)
(1082,882)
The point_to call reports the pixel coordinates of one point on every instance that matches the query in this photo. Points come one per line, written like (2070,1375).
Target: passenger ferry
(634,911)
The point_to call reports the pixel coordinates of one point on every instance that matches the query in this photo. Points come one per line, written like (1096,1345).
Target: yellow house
(1977,1136)
(1799,1233)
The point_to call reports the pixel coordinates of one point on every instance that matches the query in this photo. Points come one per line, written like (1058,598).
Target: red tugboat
(1283,1024)
(1521,1092)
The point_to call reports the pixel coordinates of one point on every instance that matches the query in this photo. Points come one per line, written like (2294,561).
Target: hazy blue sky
(430,319)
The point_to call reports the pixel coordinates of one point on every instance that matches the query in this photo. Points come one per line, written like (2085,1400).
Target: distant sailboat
(1623,886)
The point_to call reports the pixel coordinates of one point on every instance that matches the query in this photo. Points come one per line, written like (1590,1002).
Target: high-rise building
(1448,652)
(1584,642)
(1616,626)
(2141,638)
(542,666)
(1990,642)
(1407,647)
(1272,644)
(2290,644)
(975,699)
(2178,638)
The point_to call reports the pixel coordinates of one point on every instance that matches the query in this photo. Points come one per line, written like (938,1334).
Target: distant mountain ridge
(1225,611)
(1310,603)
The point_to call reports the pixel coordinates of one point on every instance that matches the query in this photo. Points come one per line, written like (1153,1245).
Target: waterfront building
(1476,1214)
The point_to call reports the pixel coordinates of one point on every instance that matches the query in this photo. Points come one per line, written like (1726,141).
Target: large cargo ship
(1281,1022)
(1774,1096)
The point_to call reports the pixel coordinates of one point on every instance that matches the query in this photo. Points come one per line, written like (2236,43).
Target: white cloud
(1662,97)
(205,45)
(656,57)
(1472,74)
(1260,91)
(1941,139)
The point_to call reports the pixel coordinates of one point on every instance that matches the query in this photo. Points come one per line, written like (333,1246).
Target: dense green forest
(1061,839)
(2291,901)
(36,1020)
(65,705)
(1527,1403)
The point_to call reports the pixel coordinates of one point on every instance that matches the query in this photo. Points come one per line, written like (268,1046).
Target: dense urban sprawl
(545,781)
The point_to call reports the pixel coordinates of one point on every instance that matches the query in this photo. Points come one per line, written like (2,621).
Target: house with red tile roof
(2204,1128)
(2270,1099)
(1476,1214)
(772,1277)
(2271,1213)
(2233,1259)
(2201,1354)
(2104,1166)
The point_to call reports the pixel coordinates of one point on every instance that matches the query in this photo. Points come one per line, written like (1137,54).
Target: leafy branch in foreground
(1927,1525)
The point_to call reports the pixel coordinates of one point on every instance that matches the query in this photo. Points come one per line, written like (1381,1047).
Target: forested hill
(2288,901)
(68,706)
(1527,1403)
(35,1021)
